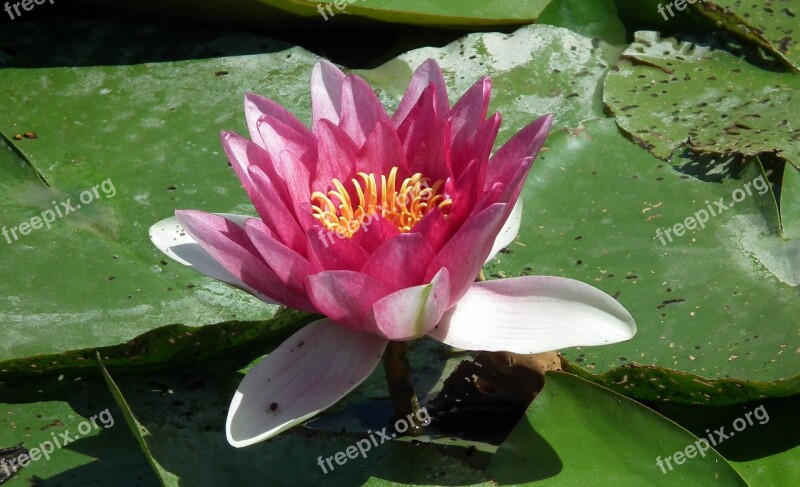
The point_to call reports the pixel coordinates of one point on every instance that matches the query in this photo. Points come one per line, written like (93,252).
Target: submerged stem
(401,390)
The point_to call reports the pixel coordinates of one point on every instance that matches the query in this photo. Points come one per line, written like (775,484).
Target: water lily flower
(381,224)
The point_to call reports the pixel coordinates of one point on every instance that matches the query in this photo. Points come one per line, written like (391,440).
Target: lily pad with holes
(771,24)
(716,301)
(665,94)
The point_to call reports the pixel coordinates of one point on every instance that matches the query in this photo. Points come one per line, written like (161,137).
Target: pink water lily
(381,224)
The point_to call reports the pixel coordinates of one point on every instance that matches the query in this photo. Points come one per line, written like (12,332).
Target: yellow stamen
(403,207)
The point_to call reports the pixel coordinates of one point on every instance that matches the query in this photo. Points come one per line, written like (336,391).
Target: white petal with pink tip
(170,237)
(309,372)
(532,315)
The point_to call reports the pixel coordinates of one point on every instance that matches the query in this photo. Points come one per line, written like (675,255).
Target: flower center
(403,207)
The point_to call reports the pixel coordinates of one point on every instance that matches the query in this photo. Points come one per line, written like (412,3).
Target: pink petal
(427,74)
(298,185)
(345,296)
(420,123)
(469,114)
(464,254)
(328,250)
(279,137)
(289,266)
(526,143)
(243,153)
(374,232)
(256,106)
(361,109)
(478,147)
(326,92)
(467,190)
(171,238)
(411,312)
(227,243)
(435,228)
(274,212)
(401,262)
(432,156)
(337,156)
(534,314)
(382,151)
(311,371)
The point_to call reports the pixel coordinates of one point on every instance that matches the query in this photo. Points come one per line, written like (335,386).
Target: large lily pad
(666,94)
(710,301)
(462,13)
(54,408)
(449,13)
(94,279)
(609,437)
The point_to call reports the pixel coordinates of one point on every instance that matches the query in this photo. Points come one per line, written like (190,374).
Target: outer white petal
(309,372)
(509,231)
(169,237)
(534,314)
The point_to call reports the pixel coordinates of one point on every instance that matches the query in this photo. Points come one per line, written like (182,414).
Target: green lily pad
(608,436)
(590,18)
(663,385)
(94,279)
(666,94)
(790,203)
(535,70)
(709,301)
(447,13)
(770,24)
(167,346)
(763,437)
(458,13)
(88,441)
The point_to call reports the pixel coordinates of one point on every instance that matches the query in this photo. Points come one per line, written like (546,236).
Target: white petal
(309,372)
(534,314)
(169,237)
(509,231)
